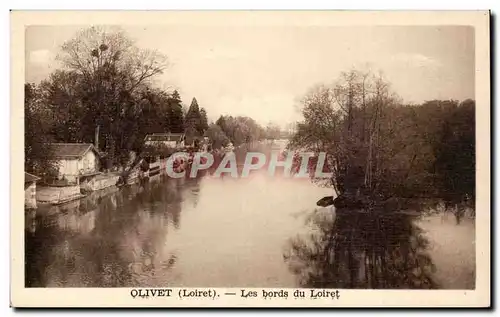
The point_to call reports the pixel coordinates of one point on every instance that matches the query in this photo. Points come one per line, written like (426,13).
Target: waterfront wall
(54,195)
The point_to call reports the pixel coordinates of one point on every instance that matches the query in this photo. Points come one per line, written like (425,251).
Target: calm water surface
(254,232)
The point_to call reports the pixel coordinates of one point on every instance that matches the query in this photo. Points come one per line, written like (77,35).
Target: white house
(75,160)
(170,140)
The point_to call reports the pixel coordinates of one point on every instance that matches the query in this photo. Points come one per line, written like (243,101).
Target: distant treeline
(106,82)
(380,147)
(375,144)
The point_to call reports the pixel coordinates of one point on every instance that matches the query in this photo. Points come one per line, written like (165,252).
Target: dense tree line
(105,83)
(380,147)
(240,129)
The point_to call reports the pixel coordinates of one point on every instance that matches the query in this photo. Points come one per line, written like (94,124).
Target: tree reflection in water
(361,249)
(110,239)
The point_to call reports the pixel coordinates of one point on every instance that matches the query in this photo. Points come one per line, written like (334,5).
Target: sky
(263,71)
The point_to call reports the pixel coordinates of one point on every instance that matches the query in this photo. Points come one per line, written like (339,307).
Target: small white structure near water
(75,160)
(30,190)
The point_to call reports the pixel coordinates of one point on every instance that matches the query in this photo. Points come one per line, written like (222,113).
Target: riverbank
(236,232)
(57,195)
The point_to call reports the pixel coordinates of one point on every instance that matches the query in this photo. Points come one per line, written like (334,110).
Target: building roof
(161,137)
(30,178)
(71,150)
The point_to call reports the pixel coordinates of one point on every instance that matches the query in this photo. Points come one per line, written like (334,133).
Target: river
(259,231)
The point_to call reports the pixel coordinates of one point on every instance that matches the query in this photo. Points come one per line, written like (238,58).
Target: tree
(63,95)
(112,75)
(221,122)
(240,129)
(380,148)
(37,122)
(356,123)
(193,119)
(95,51)
(154,118)
(455,153)
(175,113)
(203,125)
(217,137)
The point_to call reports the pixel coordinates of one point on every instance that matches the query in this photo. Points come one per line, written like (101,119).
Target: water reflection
(108,239)
(361,249)
(226,232)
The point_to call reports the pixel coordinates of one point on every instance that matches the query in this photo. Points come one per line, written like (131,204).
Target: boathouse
(30,190)
(75,160)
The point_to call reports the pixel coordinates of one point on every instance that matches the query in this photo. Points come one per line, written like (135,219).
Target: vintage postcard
(250,159)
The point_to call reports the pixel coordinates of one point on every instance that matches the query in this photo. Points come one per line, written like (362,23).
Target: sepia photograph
(245,155)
